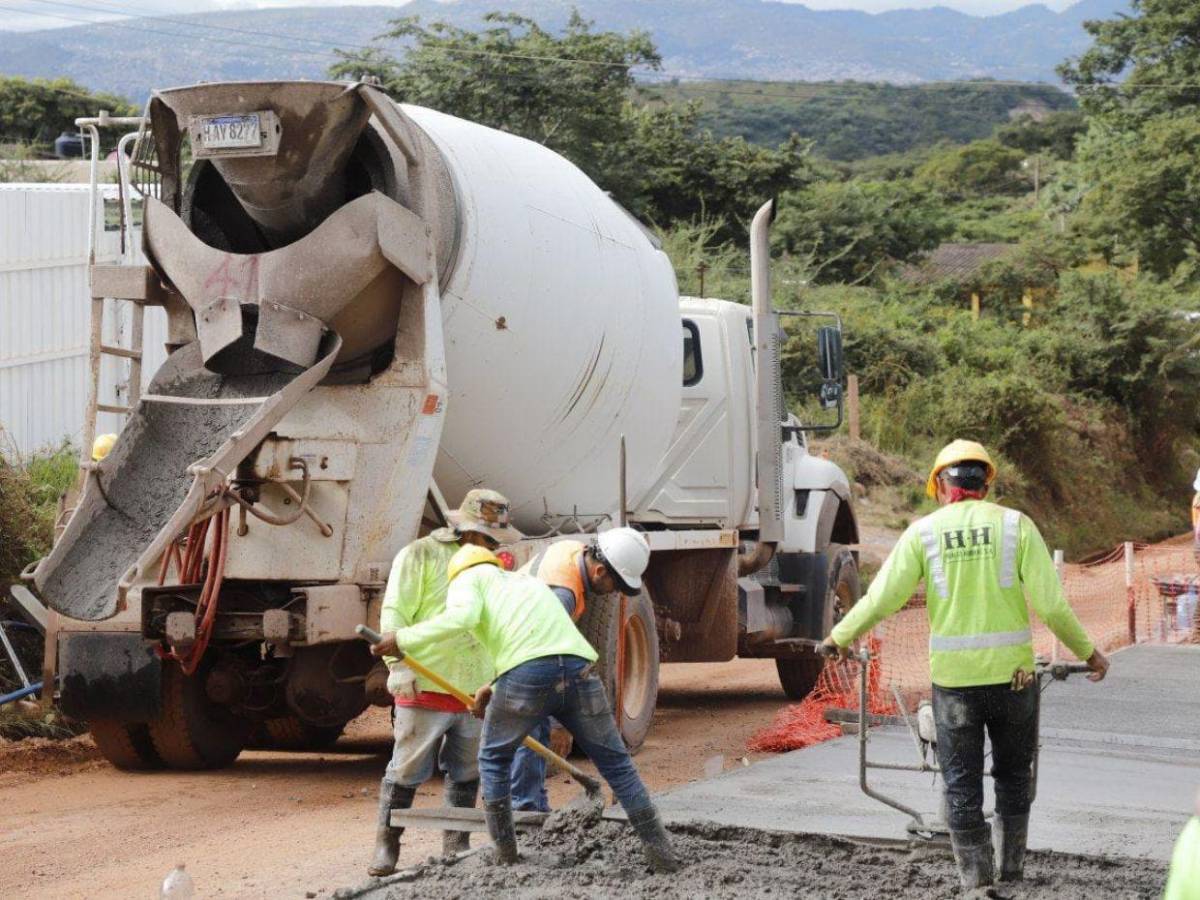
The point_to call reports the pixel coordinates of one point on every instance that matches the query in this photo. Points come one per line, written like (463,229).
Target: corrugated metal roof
(958,262)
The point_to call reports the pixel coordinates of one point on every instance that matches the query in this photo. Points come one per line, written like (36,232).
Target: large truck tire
(798,675)
(639,688)
(291,733)
(192,732)
(126,745)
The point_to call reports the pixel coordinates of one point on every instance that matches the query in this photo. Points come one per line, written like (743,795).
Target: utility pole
(701,268)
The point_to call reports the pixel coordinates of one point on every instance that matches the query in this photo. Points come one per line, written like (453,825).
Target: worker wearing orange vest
(578,574)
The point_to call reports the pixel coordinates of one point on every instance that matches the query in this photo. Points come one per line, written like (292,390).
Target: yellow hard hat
(468,556)
(957,452)
(102,446)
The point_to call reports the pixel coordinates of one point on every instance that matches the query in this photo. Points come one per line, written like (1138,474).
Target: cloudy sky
(29,14)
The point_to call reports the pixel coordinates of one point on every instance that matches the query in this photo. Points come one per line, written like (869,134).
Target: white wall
(44,318)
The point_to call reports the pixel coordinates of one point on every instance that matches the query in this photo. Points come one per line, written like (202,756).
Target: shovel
(590,784)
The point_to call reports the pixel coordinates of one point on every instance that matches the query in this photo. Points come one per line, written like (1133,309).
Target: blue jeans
(1010,718)
(564,687)
(529,773)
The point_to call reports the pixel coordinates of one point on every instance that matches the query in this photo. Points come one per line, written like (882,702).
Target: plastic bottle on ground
(177,885)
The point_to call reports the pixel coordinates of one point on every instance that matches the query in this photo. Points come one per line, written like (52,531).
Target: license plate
(228,132)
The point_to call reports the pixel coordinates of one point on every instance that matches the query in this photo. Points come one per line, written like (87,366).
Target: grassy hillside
(854,120)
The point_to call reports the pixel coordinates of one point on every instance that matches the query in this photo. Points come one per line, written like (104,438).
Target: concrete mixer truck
(372,308)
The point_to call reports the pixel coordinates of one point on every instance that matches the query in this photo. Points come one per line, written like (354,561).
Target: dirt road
(280,825)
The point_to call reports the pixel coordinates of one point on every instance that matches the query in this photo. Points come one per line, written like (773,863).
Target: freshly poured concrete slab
(1119,770)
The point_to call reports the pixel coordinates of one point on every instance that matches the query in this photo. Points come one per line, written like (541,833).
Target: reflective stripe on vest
(1010,540)
(933,555)
(942,642)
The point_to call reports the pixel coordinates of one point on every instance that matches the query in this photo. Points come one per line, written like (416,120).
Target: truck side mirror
(829,352)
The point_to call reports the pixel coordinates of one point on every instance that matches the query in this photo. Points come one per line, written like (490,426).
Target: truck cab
(708,479)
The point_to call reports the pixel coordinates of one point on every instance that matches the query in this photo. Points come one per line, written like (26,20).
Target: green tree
(37,111)
(851,231)
(571,92)
(1055,134)
(1139,86)
(672,170)
(980,168)
(565,91)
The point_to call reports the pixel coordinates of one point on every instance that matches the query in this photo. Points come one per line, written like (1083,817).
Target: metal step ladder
(126,282)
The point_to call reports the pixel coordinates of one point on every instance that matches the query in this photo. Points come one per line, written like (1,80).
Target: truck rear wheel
(798,675)
(192,732)
(126,745)
(639,682)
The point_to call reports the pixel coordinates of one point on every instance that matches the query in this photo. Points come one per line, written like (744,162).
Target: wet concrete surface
(599,860)
(1119,768)
(1118,771)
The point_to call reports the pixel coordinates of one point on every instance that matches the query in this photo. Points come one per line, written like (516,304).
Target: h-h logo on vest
(961,544)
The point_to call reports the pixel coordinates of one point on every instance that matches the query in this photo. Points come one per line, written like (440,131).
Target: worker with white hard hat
(544,667)
(432,728)
(980,562)
(579,574)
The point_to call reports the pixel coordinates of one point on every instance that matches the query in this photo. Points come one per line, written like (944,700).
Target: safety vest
(979,561)
(562,565)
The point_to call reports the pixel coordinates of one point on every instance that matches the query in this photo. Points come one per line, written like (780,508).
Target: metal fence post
(1131,597)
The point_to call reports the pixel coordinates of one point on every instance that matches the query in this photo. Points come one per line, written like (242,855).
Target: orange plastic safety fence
(1150,594)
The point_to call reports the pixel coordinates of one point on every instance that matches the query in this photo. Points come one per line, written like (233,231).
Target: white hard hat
(626,554)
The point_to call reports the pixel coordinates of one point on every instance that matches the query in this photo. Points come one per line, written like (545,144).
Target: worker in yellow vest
(1183,878)
(544,666)
(578,574)
(980,562)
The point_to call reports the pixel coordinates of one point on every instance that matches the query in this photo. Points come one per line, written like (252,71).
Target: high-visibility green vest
(980,562)
(514,617)
(1183,882)
(416,591)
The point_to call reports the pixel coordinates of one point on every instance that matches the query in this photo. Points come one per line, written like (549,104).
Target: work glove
(483,697)
(1022,678)
(402,682)
(830,649)
(1098,663)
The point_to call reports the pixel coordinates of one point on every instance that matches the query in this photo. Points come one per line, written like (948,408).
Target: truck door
(694,482)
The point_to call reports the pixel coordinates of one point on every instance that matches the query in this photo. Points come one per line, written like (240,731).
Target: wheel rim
(636,671)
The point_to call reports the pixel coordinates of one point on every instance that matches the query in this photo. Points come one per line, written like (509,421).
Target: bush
(28,502)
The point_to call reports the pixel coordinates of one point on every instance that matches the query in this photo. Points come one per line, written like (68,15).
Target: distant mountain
(750,39)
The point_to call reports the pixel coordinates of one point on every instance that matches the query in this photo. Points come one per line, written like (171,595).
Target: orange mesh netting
(1148,595)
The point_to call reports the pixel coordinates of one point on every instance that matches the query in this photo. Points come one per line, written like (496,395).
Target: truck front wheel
(634,709)
(798,675)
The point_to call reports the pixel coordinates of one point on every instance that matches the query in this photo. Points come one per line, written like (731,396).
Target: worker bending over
(579,574)
(544,668)
(979,561)
(432,728)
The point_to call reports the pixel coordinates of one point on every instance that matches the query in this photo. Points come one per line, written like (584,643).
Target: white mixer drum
(562,331)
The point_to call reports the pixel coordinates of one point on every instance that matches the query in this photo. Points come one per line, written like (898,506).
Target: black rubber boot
(655,843)
(1012,835)
(973,854)
(501,829)
(462,794)
(387,839)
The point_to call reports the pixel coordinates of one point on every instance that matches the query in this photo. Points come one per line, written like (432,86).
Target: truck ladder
(128,283)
